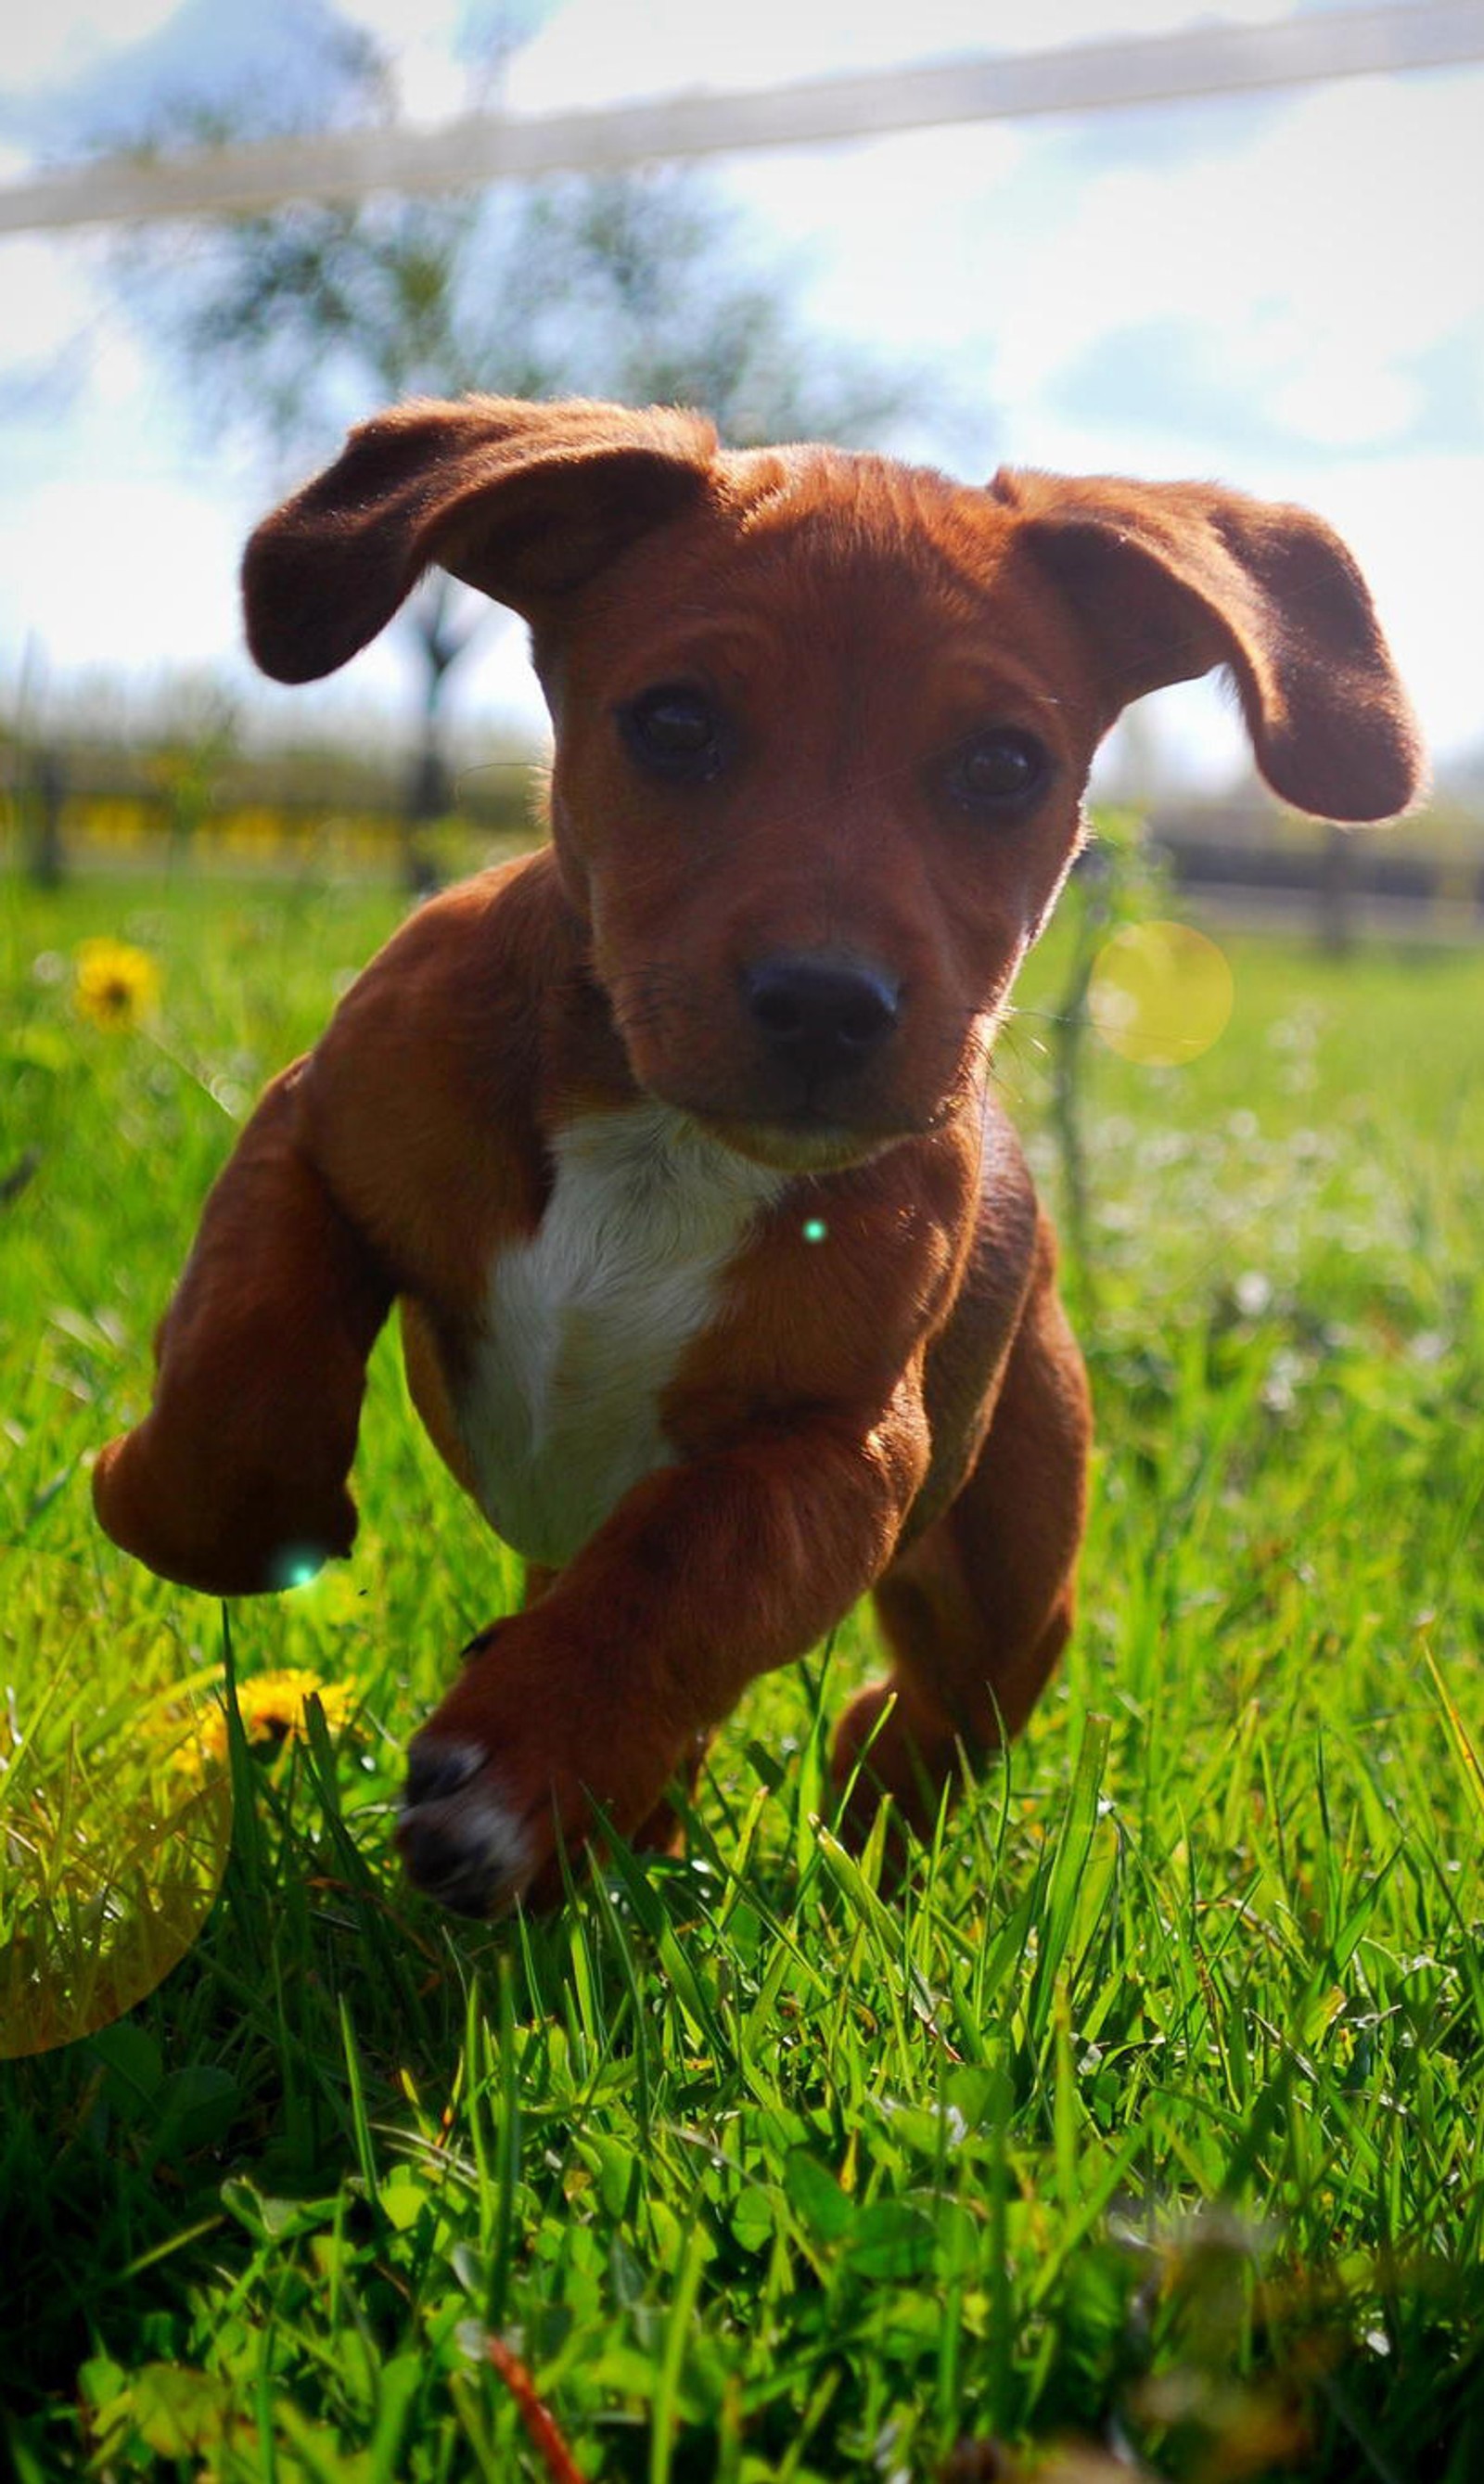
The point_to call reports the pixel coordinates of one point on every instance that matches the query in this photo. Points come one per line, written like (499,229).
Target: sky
(1285,291)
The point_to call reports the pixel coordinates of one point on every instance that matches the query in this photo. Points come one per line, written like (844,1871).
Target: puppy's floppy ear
(1171,579)
(521,501)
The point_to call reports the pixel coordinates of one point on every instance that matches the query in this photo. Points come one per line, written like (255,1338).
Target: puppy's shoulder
(484,946)
(420,1102)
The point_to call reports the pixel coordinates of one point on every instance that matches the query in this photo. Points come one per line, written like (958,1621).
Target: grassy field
(1144,2128)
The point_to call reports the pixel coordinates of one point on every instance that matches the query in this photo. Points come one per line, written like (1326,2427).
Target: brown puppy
(723,1287)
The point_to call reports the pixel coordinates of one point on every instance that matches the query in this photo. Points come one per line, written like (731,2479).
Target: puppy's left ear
(1171,579)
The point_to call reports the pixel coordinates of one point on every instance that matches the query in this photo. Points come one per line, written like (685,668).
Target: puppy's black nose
(820,1015)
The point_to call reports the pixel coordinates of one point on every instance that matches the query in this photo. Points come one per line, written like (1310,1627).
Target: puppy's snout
(821,1017)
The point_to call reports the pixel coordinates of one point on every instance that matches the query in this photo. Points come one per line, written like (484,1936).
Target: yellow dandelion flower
(272,1709)
(115,985)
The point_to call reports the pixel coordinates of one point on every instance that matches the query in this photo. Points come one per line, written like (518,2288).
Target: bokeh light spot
(815,1228)
(297,1565)
(114,1797)
(1160,993)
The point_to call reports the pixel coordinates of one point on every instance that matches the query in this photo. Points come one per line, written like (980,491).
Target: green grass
(1149,2116)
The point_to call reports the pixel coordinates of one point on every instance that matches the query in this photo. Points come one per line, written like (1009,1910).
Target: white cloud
(597,51)
(43,46)
(103,572)
(1325,252)
(48,296)
(421,38)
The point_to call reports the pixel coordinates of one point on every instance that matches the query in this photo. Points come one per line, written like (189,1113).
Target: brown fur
(899,1407)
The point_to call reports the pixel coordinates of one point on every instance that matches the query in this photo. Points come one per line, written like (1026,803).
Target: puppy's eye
(999,770)
(674,731)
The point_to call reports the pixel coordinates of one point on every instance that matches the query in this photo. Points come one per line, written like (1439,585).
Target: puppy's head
(823,722)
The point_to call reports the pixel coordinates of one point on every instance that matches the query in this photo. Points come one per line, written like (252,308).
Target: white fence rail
(1086,77)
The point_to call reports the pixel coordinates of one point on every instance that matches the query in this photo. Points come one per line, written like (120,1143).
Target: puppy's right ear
(524,502)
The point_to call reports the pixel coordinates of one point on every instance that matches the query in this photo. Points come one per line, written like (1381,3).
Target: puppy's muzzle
(823,1018)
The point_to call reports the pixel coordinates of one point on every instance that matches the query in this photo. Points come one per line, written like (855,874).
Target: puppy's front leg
(587,1703)
(235,1479)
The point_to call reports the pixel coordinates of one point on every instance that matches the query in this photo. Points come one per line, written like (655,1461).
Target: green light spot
(297,1565)
(815,1228)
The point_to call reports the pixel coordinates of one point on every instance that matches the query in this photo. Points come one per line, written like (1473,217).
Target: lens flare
(115,1799)
(1160,993)
(115,1817)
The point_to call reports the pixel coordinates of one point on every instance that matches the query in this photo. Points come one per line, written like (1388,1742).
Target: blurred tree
(636,286)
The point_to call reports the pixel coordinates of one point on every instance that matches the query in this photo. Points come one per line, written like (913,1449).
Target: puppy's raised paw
(539,1750)
(460,1840)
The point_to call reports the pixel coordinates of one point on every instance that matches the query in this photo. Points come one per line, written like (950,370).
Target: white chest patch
(587,1321)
